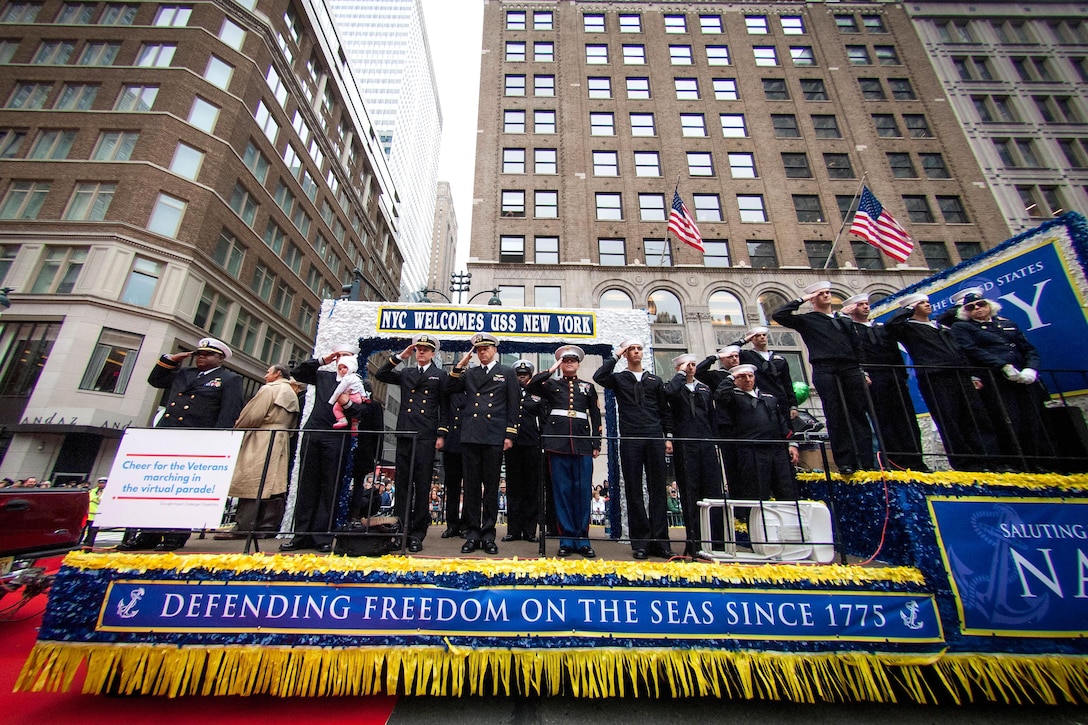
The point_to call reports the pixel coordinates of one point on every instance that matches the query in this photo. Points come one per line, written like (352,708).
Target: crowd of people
(726,421)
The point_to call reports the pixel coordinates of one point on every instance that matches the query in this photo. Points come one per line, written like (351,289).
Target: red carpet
(17,635)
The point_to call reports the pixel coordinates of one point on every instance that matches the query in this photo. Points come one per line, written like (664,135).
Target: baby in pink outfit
(348,382)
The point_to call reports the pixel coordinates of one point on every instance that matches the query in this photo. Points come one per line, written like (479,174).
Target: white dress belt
(563,412)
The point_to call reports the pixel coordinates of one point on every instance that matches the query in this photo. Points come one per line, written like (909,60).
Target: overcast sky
(454,30)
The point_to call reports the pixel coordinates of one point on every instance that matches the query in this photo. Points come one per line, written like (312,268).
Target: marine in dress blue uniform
(523,463)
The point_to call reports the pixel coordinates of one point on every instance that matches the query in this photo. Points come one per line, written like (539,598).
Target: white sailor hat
(631,341)
(683,359)
(570,351)
(210,344)
(427,340)
(850,303)
(816,287)
(520,365)
(971,294)
(910,301)
(743,368)
(752,332)
(728,350)
(346,349)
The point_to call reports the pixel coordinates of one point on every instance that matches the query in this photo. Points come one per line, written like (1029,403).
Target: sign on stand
(170,478)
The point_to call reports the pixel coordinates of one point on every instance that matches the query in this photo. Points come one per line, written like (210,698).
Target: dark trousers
(324,456)
(367,448)
(572,493)
(522,490)
(638,455)
(896,419)
(961,418)
(846,406)
(1016,412)
(483,466)
(698,476)
(453,474)
(415,468)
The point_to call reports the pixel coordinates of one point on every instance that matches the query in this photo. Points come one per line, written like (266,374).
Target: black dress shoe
(132,546)
(587,552)
(296,544)
(531,539)
(469,546)
(511,537)
(168,547)
(846,471)
(563,551)
(323,548)
(664,552)
(415,546)
(450,533)
(639,553)
(490,547)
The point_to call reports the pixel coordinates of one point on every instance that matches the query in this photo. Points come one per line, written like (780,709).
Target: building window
(204,115)
(547,250)
(858,55)
(29,96)
(211,312)
(256,162)
(274,237)
(52,144)
(246,330)
(136,98)
(651,207)
(725,89)
(886,55)
(717,55)
(24,199)
(813,89)
(751,208)
(711,24)
(542,20)
(615,299)
(243,204)
(866,256)
(902,90)
(90,201)
(53,52)
(700,163)
(901,165)
(172,16)
(155,55)
(1075,152)
(513,121)
(232,34)
(609,206)
(117,14)
(546,204)
(612,252)
(514,85)
(544,86)
(187,161)
(761,254)
(512,249)
(693,125)
(826,126)
(548,296)
(595,54)
(819,255)
(59,270)
(917,126)
(515,52)
(634,55)
(75,14)
(218,73)
(515,20)
(792,25)
(808,209)
(283,300)
(774,89)
(658,252)
(680,55)
(599,87)
(544,122)
(733,125)
(545,161)
(838,166)
(802,55)
(847,24)
(306,317)
(642,124)
(687,89)
(936,254)
(952,210)
(873,23)
(647,163)
(1012,32)
(630,23)
(543,52)
(886,126)
(708,207)
(872,89)
(513,161)
(76,97)
(742,165)
(292,257)
(99,54)
(934,166)
(756,24)
(141,283)
(606,163)
(638,88)
(664,307)
(967,250)
(1058,109)
(918,210)
(715,253)
(11,140)
(112,362)
(513,204)
(602,124)
(676,24)
(765,55)
(785,125)
(262,282)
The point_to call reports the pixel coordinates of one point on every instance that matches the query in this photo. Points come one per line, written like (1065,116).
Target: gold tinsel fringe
(1075,483)
(598,672)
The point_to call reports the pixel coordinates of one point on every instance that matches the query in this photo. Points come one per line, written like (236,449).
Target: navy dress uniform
(488,420)
(423,401)
(523,463)
(772,372)
(571,437)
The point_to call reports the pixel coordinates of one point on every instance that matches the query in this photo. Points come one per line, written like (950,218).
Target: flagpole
(843,225)
(665,246)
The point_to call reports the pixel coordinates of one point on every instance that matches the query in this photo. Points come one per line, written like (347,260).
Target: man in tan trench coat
(274,407)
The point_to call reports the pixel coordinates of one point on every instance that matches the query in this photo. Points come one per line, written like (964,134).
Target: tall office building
(768,116)
(443,240)
(1018,83)
(169,172)
(386,42)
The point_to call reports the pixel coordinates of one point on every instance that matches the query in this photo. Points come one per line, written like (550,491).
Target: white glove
(1028,376)
(1011,372)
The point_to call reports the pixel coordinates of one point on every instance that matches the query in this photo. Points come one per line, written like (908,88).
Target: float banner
(1019,567)
(500,321)
(406,611)
(170,478)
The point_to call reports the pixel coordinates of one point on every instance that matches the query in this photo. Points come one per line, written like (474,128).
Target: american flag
(879,228)
(682,225)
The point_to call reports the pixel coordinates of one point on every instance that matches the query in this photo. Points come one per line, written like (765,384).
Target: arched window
(664,307)
(615,299)
(876,297)
(769,302)
(725,309)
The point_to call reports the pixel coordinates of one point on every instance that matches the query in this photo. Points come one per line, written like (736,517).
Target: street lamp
(426,291)
(494,301)
(459,282)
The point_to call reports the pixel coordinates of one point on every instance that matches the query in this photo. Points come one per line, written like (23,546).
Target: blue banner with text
(501,321)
